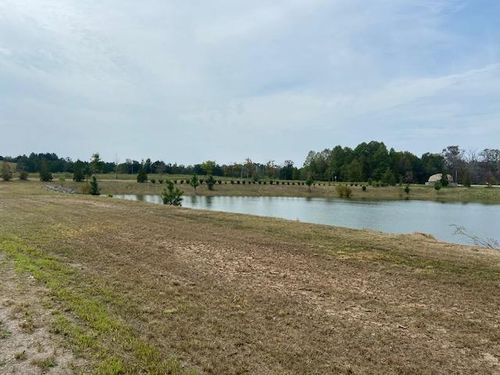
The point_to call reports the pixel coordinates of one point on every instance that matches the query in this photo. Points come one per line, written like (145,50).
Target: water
(404,216)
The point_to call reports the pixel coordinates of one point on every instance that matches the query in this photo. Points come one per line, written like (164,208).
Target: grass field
(135,288)
(420,192)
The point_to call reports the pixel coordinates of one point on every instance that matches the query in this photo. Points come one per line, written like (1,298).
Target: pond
(404,216)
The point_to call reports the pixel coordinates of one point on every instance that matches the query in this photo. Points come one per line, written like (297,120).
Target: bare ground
(235,294)
(27,345)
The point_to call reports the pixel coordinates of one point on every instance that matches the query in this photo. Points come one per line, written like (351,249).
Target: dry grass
(417,192)
(235,294)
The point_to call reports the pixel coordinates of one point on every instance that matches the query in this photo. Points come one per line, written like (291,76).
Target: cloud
(284,76)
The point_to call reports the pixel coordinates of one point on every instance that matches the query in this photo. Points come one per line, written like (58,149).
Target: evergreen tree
(194,182)
(388,177)
(94,187)
(142,176)
(172,195)
(210,182)
(6,171)
(45,174)
(78,173)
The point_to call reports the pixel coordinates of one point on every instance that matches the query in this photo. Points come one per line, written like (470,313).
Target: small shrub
(343,191)
(219,182)
(142,176)
(172,195)
(6,171)
(238,182)
(232,182)
(210,182)
(363,187)
(160,181)
(23,176)
(437,186)
(407,189)
(194,182)
(264,182)
(153,181)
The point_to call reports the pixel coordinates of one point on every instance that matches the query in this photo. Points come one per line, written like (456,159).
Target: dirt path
(26,344)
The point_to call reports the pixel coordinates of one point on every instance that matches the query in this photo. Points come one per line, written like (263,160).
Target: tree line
(374,162)
(370,161)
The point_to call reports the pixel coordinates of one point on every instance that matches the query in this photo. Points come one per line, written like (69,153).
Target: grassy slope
(138,284)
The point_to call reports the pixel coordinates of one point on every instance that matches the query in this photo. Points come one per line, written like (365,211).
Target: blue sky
(187,81)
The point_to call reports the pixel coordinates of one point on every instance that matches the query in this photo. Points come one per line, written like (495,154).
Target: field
(323,189)
(108,286)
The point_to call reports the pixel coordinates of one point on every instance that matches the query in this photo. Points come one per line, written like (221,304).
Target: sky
(187,81)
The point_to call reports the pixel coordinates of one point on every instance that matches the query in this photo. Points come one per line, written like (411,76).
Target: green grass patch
(87,322)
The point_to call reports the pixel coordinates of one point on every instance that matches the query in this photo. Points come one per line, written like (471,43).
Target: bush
(45,174)
(437,186)
(153,181)
(407,189)
(219,182)
(23,176)
(172,195)
(343,191)
(78,175)
(232,182)
(142,176)
(160,181)
(210,182)
(363,187)
(6,171)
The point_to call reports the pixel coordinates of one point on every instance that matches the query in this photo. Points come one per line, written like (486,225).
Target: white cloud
(309,73)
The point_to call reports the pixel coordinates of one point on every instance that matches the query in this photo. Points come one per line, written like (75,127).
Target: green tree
(172,195)
(142,176)
(388,178)
(208,166)
(78,171)
(23,175)
(355,170)
(94,187)
(6,171)
(210,182)
(45,174)
(96,164)
(194,182)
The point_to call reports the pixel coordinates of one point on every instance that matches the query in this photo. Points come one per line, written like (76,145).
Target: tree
(172,195)
(210,182)
(309,183)
(78,171)
(23,175)
(388,178)
(142,176)
(194,182)
(94,187)
(208,167)
(453,157)
(45,174)
(96,164)
(6,171)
